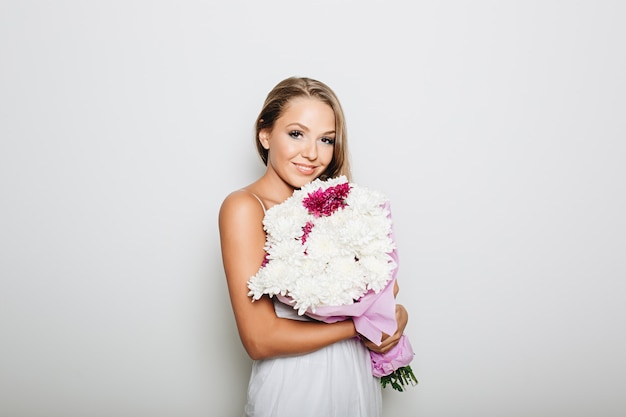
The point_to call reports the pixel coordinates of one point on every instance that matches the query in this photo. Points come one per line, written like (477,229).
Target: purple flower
(326,202)
(306,229)
(266,259)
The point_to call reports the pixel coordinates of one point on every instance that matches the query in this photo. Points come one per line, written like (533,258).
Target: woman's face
(301,143)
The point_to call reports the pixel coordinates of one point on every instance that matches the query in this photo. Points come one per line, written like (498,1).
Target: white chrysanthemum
(378,269)
(305,293)
(376,247)
(322,243)
(343,256)
(334,294)
(365,201)
(272,279)
(356,233)
(289,250)
(284,223)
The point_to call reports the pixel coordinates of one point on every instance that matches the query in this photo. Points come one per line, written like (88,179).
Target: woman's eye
(296,134)
(329,141)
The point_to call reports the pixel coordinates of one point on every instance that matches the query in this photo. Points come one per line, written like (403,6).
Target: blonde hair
(277,101)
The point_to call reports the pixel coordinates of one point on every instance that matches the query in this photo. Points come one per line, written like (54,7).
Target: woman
(301,367)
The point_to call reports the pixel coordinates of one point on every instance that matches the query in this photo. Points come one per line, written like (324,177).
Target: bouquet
(330,254)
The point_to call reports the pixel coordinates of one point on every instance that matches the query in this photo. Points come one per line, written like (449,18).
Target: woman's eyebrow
(305,128)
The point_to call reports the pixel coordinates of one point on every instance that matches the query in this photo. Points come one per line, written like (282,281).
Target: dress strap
(257,197)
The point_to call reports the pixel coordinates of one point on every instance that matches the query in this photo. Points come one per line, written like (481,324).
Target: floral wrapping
(330,254)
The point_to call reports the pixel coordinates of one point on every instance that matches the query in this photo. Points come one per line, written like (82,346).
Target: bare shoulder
(240,206)
(242,237)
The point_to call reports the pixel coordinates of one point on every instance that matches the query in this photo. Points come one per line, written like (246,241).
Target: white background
(495,127)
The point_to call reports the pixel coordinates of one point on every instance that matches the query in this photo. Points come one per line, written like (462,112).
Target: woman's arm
(263,334)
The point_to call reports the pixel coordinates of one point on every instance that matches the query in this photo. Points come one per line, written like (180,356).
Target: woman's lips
(305,169)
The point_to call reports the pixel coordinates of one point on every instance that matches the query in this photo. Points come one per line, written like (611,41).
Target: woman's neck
(272,188)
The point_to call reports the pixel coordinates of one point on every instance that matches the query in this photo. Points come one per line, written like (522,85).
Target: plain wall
(496,128)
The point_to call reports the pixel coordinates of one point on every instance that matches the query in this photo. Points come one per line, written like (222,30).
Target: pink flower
(266,259)
(326,202)
(306,230)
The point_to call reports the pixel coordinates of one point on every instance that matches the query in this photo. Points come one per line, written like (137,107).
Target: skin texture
(300,147)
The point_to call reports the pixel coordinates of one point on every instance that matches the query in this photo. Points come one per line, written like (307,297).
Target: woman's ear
(264,138)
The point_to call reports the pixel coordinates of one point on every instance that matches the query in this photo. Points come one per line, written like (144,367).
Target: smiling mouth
(305,169)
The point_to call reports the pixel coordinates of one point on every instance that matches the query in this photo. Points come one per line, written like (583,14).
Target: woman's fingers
(388,342)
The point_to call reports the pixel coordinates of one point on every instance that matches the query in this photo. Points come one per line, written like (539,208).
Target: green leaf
(399,379)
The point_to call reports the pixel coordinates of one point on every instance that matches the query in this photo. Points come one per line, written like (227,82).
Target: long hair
(278,99)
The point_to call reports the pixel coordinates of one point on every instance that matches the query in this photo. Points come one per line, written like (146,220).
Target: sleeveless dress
(335,381)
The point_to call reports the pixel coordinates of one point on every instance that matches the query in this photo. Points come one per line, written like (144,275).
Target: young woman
(301,367)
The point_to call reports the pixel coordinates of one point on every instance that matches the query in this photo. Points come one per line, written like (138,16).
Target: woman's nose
(309,149)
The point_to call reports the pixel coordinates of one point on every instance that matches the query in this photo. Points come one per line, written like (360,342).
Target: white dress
(335,381)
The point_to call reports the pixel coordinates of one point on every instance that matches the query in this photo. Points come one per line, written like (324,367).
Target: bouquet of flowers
(330,254)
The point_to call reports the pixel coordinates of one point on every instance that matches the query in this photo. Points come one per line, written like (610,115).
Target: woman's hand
(388,342)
